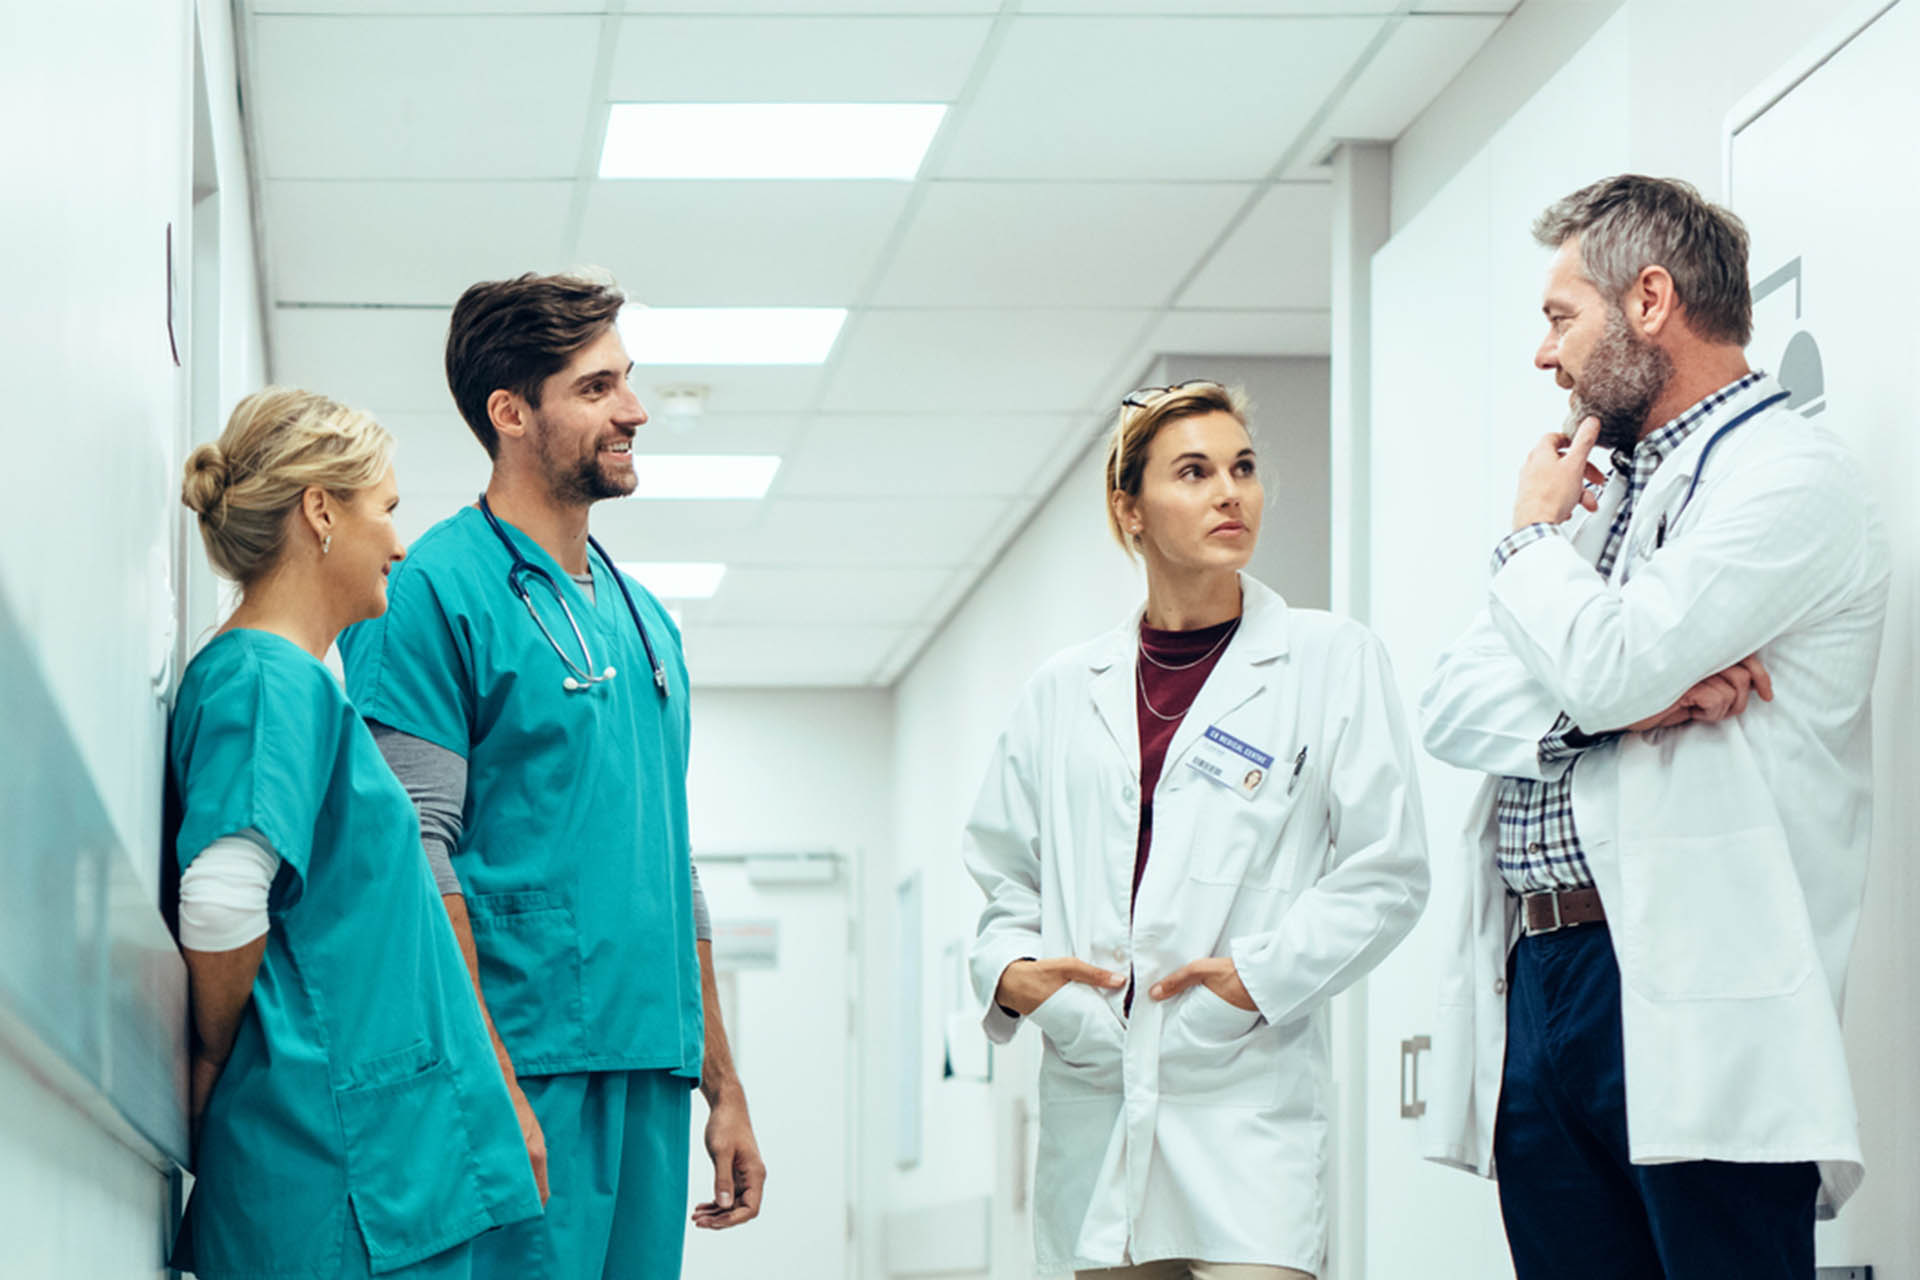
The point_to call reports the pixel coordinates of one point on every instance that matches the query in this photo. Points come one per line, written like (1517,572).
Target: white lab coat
(1731,858)
(1195,1129)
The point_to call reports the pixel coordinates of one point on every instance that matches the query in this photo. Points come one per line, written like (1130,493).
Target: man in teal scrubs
(561,738)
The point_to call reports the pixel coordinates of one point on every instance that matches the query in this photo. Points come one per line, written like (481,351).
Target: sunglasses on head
(1146,397)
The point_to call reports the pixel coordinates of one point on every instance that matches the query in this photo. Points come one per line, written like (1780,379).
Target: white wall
(99,156)
(1291,405)
(787,770)
(1061,581)
(1645,86)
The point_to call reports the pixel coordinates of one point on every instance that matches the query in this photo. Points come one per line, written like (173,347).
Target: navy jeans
(1576,1208)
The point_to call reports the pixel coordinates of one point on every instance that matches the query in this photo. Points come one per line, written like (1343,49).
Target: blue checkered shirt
(1539,847)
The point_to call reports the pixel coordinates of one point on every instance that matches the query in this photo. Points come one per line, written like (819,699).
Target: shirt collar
(1654,447)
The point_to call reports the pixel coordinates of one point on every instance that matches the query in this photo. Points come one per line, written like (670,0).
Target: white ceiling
(1115,179)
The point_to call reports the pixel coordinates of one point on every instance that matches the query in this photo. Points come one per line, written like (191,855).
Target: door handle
(1412,1105)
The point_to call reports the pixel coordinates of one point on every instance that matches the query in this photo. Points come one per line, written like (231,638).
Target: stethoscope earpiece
(570,684)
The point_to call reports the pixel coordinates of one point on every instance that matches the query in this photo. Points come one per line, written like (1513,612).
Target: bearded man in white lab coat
(1668,690)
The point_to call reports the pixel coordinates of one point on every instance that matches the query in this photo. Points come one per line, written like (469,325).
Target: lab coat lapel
(1671,480)
(1243,670)
(1111,686)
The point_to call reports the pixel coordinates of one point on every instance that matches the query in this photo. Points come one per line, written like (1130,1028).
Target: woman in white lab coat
(1196,829)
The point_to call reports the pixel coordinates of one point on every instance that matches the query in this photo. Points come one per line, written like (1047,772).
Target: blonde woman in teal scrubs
(350,1118)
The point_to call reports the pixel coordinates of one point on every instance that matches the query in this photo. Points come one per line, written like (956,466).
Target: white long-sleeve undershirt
(223,895)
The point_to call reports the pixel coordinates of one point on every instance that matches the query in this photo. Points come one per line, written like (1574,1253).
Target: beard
(1623,379)
(572,479)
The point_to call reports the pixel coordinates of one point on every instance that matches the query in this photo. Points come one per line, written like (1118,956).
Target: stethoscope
(1700,468)
(579,675)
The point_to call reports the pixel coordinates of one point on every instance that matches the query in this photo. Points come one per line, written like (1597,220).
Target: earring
(326,544)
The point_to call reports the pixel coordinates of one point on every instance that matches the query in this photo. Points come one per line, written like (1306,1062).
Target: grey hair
(1629,223)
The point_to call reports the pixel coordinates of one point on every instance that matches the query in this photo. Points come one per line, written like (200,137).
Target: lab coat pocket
(1085,1037)
(530,971)
(1238,844)
(1214,1051)
(412,1177)
(1712,917)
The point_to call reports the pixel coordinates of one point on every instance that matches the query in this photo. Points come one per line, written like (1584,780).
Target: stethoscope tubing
(587,677)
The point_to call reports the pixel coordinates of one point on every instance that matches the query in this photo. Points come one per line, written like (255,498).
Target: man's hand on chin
(1555,476)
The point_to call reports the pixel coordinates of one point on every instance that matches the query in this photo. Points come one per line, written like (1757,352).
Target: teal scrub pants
(617,1173)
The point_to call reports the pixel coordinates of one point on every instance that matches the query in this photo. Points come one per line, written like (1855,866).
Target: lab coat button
(1119,955)
(1128,794)
(1499,986)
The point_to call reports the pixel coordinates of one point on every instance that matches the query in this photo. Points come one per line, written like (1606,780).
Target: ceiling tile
(784,8)
(786,655)
(456,8)
(644,529)
(822,597)
(794,59)
(1245,333)
(1055,244)
(937,360)
(386,361)
(1277,258)
(734,389)
(333,241)
(1420,58)
(435,454)
(740,243)
(895,532)
(857,455)
(1072,98)
(719,432)
(421,97)
(1213,8)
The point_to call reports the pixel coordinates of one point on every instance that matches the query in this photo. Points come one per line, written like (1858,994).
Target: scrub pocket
(530,971)
(412,1178)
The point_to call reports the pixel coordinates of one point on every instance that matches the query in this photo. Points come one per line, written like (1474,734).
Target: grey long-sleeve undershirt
(436,782)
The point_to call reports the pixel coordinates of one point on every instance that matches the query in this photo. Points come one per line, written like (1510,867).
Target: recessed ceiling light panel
(768,140)
(676,580)
(691,475)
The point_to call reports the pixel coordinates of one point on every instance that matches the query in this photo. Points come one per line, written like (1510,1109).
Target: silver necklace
(1140,675)
(1186,666)
(1140,678)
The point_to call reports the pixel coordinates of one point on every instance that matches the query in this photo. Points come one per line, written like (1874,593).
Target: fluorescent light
(730,335)
(768,140)
(690,475)
(677,581)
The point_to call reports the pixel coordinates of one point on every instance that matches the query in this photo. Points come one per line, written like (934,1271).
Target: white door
(786,1018)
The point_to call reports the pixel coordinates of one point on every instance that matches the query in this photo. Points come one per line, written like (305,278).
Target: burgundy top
(1194,654)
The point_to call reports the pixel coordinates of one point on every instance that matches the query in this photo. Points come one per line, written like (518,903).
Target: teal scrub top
(573,851)
(362,1083)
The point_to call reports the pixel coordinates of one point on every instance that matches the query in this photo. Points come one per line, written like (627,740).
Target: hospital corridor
(602,600)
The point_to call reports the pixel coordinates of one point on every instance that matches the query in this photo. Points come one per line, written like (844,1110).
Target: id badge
(1239,767)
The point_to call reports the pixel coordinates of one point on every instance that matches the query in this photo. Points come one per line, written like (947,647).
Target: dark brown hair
(515,334)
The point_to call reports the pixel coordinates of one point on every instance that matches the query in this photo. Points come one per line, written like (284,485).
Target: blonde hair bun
(204,491)
(280,442)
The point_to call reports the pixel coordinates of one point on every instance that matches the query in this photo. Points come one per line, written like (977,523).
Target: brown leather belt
(1549,912)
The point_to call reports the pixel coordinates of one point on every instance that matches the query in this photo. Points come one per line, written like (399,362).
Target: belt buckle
(1558,922)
